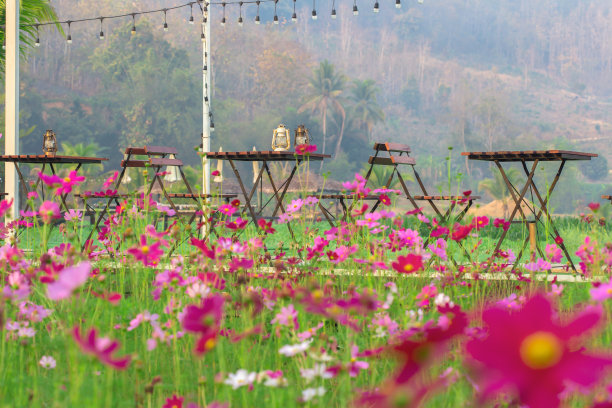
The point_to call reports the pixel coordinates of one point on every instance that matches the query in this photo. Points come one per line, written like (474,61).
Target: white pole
(207,94)
(11,104)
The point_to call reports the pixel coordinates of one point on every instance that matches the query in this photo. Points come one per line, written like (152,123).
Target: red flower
(408,264)
(500,222)
(174,402)
(415,211)
(201,244)
(461,231)
(240,263)
(534,353)
(594,206)
(148,254)
(235,203)
(467,193)
(480,222)
(205,321)
(102,348)
(305,149)
(266,226)
(558,240)
(215,173)
(385,199)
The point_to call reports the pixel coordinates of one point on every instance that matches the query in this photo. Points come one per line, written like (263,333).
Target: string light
(376,7)
(212,123)
(355,9)
(294,16)
(37,43)
(133,23)
(101,31)
(191,20)
(240,22)
(314,10)
(257,16)
(69,37)
(398,4)
(205,14)
(420,1)
(333,13)
(275,16)
(203,36)
(223,19)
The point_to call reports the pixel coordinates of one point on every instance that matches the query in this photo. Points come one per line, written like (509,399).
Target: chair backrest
(151,150)
(391,147)
(392,160)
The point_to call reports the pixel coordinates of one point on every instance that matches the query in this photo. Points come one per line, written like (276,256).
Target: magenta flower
(287,317)
(102,348)
(205,321)
(69,279)
(240,263)
(148,254)
(501,223)
(227,209)
(5,206)
(427,295)
(534,354)
(356,365)
(73,179)
(553,253)
(111,180)
(48,211)
(480,222)
(305,149)
(539,266)
(601,292)
(408,264)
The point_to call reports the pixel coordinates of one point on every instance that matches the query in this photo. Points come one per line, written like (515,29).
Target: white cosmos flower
(291,350)
(47,362)
(310,393)
(319,370)
(240,378)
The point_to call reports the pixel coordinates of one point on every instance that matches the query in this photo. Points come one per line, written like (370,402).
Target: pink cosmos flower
(356,365)
(286,317)
(594,207)
(427,294)
(295,205)
(205,321)
(227,209)
(266,226)
(111,180)
(408,264)
(601,292)
(501,223)
(385,199)
(72,215)
(534,354)
(461,231)
(539,266)
(174,402)
(69,279)
(5,206)
(305,149)
(439,248)
(48,211)
(102,348)
(553,253)
(480,222)
(73,179)
(240,263)
(148,254)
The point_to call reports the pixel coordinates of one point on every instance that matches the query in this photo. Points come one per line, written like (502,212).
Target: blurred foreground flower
(68,280)
(533,354)
(102,348)
(204,320)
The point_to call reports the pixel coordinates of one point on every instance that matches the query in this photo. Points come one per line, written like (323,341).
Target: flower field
(384,310)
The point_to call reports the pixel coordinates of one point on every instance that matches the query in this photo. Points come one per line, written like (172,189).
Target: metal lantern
(302,136)
(281,139)
(49,143)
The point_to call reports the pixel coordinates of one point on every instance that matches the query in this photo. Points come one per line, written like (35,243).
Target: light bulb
(203,37)
(294,17)
(314,14)
(223,22)
(212,126)
(133,30)
(166,27)
(333,15)
(37,43)
(420,1)
(191,20)
(257,19)
(275,19)
(355,10)
(376,9)
(398,4)
(205,68)
(240,22)
(69,39)
(101,35)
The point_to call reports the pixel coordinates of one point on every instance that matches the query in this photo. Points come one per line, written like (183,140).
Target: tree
(30,12)
(366,110)
(326,86)
(84,150)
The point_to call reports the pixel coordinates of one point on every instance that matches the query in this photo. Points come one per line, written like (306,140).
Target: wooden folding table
(518,196)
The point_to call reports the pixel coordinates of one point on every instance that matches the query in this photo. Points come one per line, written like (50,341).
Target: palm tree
(326,88)
(31,12)
(496,186)
(366,109)
(85,150)
(380,176)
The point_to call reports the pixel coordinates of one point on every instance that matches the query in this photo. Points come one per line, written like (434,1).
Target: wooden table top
(529,155)
(41,158)
(607,197)
(266,155)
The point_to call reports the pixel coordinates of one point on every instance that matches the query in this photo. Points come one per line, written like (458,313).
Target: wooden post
(532,237)
(11,105)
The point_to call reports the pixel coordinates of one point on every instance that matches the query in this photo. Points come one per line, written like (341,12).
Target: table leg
(325,213)
(517,205)
(511,188)
(279,200)
(244,193)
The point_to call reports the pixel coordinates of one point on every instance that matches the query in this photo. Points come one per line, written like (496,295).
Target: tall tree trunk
(339,142)
(324,137)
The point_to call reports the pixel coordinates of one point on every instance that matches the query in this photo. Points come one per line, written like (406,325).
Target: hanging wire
(133,23)
(101,31)
(314,10)
(191,20)
(240,22)
(294,16)
(37,43)
(257,16)
(223,19)
(69,37)
(165,22)
(275,16)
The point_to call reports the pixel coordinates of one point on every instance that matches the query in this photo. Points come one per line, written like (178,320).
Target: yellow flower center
(609,291)
(210,343)
(541,350)
(67,179)
(145,249)
(408,268)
